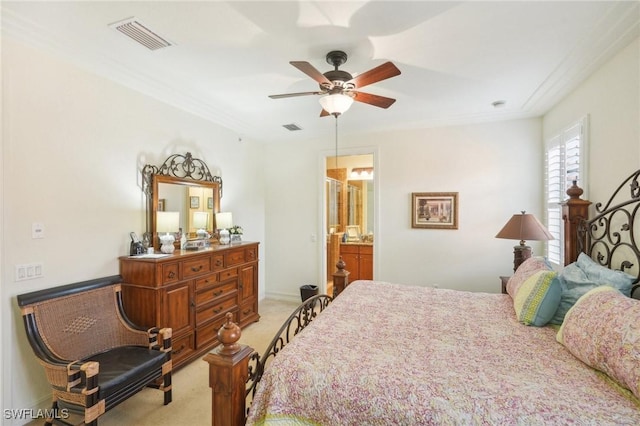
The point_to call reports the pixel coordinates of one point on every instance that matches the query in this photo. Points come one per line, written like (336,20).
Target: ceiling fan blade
(379,73)
(312,72)
(375,100)
(291,95)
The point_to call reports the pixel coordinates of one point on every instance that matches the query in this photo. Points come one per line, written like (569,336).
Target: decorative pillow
(524,271)
(578,278)
(574,284)
(602,330)
(605,276)
(537,298)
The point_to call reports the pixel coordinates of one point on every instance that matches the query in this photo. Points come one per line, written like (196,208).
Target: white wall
(611,98)
(496,168)
(73,146)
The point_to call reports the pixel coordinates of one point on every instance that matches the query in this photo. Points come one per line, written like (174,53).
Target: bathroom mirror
(185,185)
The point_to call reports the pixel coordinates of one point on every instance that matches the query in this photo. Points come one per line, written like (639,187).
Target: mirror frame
(180,170)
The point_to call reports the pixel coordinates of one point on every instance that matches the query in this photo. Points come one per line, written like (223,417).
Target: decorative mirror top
(180,166)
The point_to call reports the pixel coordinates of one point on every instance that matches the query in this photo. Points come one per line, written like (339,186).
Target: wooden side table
(504,281)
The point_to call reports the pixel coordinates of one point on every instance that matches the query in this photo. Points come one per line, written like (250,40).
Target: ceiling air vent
(292,127)
(138,32)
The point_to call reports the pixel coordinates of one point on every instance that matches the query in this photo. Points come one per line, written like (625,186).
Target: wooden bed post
(574,211)
(340,278)
(228,374)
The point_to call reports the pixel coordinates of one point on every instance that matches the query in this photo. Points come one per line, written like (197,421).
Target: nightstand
(504,281)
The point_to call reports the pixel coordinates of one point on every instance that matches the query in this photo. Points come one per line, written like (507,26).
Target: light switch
(37,230)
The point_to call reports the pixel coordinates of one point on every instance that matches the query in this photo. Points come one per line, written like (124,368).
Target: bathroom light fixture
(336,103)
(169,223)
(362,173)
(523,227)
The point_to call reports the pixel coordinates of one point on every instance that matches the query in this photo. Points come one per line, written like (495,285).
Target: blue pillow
(605,276)
(578,278)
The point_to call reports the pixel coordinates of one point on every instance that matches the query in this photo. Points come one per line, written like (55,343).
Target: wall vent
(292,127)
(138,32)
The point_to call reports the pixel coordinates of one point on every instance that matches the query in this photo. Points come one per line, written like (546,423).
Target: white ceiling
(456,58)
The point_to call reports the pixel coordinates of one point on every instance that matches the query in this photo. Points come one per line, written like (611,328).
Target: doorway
(349,217)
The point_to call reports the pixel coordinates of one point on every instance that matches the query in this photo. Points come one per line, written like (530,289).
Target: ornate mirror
(183,189)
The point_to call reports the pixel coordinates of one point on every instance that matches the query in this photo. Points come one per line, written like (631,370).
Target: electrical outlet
(29,271)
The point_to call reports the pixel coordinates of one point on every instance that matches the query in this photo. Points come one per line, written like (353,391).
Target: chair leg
(167,388)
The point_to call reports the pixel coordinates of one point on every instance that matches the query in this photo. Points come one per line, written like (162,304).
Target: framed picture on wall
(161,202)
(194,202)
(434,210)
(210,203)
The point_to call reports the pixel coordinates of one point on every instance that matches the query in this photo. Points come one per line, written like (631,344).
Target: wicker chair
(93,356)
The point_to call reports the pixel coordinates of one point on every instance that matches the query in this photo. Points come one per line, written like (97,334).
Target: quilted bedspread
(389,354)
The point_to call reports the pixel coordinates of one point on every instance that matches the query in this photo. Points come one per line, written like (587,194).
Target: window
(565,161)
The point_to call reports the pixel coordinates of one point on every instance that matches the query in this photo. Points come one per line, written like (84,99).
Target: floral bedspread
(388,354)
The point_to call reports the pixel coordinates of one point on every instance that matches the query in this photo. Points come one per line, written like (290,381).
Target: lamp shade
(200,220)
(167,221)
(336,104)
(224,220)
(524,227)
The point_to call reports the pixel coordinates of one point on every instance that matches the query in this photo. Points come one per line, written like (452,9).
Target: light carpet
(191,405)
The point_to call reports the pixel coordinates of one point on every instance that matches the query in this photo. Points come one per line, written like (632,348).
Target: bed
(560,348)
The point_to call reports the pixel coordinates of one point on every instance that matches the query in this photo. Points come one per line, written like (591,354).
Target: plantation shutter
(565,161)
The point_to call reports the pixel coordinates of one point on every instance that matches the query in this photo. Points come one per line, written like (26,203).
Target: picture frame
(353,233)
(210,203)
(161,204)
(434,210)
(194,202)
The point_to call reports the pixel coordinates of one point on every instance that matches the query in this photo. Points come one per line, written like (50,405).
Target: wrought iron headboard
(612,235)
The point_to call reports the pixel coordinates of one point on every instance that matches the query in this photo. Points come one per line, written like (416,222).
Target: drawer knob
(215,311)
(171,274)
(196,269)
(218,262)
(217,293)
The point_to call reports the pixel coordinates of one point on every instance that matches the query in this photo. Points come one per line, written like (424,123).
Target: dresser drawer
(170,273)
(213,311)
(206,334)
(218,262)
(205,296)
(228,274)
(251,254)
(196,267)
(182,347)
(235,257)
(247,310)
(208,281)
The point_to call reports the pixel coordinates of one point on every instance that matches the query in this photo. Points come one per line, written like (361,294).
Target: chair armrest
(70,377)
(164,344)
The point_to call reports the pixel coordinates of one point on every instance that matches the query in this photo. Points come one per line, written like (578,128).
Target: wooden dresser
(191,291)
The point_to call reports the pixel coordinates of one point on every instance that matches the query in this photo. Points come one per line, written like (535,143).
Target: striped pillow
(537,298)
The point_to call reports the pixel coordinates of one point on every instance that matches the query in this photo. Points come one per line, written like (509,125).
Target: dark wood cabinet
(191,292)
(358,259)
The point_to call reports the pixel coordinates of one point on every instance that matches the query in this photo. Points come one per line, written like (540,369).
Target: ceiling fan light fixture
(336,103)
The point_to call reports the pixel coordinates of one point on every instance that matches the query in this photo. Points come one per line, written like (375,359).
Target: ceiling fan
(338,82)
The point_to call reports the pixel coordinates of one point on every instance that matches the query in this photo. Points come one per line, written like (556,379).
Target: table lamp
(200,222)
(523,227)
(169,223)
(224,221)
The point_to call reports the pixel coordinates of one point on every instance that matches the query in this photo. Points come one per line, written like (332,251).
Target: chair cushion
(122,368)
